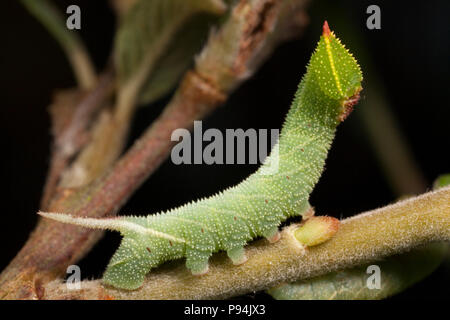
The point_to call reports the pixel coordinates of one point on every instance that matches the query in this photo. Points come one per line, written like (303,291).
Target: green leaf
(54,21)
(147,30)
(442,181)
(179,56)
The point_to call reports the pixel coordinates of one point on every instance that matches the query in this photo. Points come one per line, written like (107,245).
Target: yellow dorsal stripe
(333,68)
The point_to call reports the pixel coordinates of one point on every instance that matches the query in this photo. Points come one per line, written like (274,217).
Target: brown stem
(72,113)
(254,28)
(85,111)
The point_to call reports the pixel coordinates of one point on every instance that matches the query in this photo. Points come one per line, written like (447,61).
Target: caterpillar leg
(127,268)
(237,255)
(197,265)
(273,235)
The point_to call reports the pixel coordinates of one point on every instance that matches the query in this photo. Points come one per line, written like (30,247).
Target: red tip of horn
(326,29)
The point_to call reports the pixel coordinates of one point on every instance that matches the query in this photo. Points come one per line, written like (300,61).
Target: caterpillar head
(337,72)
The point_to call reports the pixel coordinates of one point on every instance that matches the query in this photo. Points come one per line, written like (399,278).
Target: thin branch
(110,131)
(254,28)
(74,48)
(361,239)
(389,143)
(121,7)
(72,113)
(387,140)
(398,273)
(85,111)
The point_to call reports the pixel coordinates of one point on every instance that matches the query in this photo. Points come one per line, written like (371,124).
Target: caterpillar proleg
(255,207)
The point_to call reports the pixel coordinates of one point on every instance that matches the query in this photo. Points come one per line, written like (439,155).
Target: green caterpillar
(256,206)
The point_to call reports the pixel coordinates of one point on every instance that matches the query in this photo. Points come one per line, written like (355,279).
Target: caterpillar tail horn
(113,224)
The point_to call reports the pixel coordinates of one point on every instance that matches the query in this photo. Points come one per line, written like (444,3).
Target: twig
(398,273)
(121,7)
(110,132)
(79,58)
(85,111)
(361,239)
(388,142)
(255,27)
(72,113)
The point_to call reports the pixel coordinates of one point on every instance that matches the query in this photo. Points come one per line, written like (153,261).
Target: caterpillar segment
(256,207)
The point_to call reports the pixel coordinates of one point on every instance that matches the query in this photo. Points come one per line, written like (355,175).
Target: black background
(411,54)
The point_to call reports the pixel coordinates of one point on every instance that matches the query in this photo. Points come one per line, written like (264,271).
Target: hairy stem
(397,273)
(72,112)
(361,239)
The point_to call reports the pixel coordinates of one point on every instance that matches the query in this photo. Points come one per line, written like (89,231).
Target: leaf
(54,21)
(147,29)
(180,55)
(397,274)
(441,181)
(121,7)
